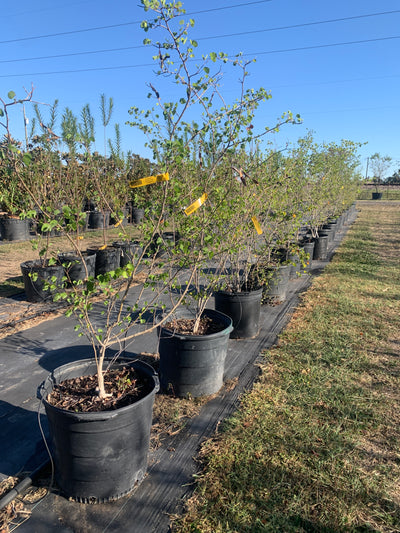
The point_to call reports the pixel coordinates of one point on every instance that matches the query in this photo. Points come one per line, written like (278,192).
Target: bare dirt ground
(12,254)
(16,313)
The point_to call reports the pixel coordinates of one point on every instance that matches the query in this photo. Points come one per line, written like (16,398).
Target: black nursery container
(37,276)
(100,456)
(193,365)
(244,309)
(107,259)
(137,215)
(308,248)
(98,219)
(130,252)
(75,265)
(321,248)
(277,283)
(14,229)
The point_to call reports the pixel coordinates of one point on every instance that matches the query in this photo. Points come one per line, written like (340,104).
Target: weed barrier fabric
(33,353)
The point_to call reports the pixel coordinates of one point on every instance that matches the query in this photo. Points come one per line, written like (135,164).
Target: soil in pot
(244,309)
(37,275)
(100,454)
(193,365)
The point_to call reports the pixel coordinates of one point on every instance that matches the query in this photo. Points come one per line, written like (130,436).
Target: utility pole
(366,171)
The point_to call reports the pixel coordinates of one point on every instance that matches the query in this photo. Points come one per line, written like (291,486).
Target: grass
(315,446)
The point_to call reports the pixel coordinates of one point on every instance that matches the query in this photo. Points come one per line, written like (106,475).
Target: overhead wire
(120,67)
(96,28)
(106,50)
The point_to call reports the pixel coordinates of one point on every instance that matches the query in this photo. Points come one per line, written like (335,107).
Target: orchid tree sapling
(191,136)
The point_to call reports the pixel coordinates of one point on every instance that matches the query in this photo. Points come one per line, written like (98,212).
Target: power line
(120,49)
(119,67)
(314,47)
(126,23)
(73,54)
(304,24)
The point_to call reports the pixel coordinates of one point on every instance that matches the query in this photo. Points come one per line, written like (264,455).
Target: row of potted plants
(221,215)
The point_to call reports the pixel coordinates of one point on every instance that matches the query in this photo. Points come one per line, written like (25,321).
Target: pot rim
(47,385)
(186,313)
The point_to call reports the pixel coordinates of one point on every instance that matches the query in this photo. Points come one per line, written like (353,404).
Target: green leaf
(213,57)
(11,95)
(1,113)
(27,158)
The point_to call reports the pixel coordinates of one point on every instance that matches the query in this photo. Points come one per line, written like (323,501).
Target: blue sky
(341,91)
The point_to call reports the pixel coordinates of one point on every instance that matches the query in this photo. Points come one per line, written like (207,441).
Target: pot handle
(40,391)
(156,382)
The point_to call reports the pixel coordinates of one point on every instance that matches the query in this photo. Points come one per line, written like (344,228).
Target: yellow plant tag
(80,238)
(257,225)
(149,180)
(195,205)
(118,223)
(103,247)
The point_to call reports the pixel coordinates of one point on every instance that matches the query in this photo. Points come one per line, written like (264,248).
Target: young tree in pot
(379,165)
(123,321)
(238,225)
(15,203)
(193,151)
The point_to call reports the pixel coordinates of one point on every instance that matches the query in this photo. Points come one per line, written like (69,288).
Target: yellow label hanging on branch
(149,180)
(195,205)
(257,225)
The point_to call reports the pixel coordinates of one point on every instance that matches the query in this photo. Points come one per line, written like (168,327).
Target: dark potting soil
(80,394)
(184,326)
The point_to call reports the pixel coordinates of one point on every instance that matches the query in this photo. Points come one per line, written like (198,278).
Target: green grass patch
(315,444)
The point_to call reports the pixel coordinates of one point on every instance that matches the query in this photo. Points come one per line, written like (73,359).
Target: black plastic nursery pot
(295,267)
(162,243)
(100,456)
(193,365)
(14,229)
(74,265)
(107,259)
(98,219)
(137,215)
(244,309)
(327,233)
(308,248)
(37,275)
(377,195)
(130,252)
(321,248)
(277,283)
